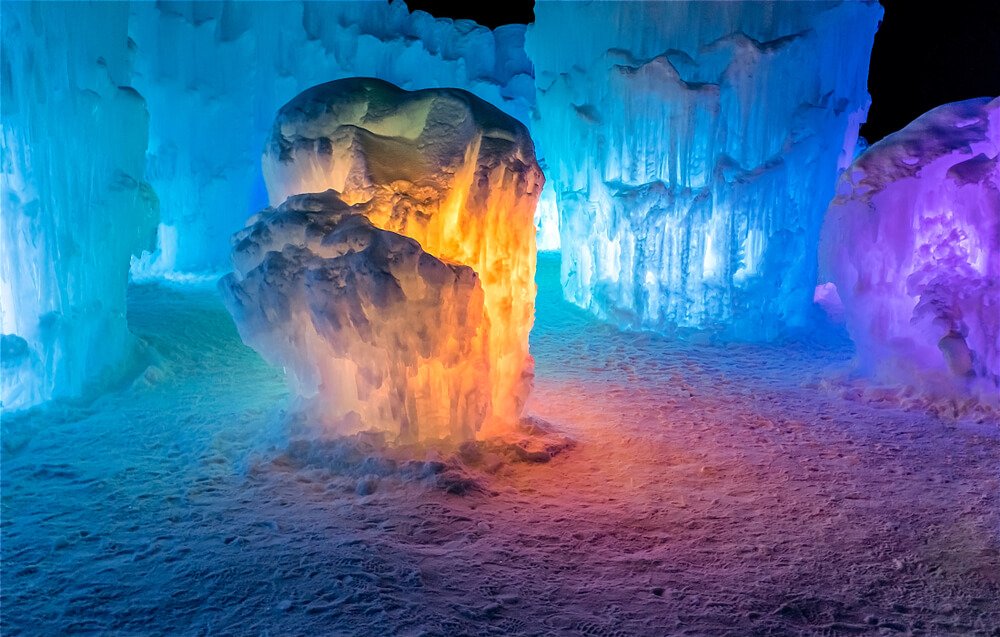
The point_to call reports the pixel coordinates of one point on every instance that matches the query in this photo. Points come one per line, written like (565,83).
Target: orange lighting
(439,166)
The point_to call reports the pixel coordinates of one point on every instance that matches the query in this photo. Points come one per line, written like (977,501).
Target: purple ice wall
(912,242)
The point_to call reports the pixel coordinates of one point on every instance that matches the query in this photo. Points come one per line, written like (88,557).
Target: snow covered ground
(712,490)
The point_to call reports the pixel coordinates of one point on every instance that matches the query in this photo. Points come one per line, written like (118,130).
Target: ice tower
(693,148)
(75,206)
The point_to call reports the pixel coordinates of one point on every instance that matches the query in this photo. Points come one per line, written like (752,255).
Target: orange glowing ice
(373,332)
(439,166)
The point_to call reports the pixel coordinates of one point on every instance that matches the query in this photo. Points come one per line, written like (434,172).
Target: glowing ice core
(440,166)
(374,332)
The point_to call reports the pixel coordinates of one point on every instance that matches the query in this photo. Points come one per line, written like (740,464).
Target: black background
(926,53)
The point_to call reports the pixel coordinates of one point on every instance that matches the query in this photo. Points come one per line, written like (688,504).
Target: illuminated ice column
(912,242)
(373,332)
(74,204)
(693,148)
(440,166)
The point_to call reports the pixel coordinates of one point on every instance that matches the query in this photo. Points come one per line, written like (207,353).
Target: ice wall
(440,166)
(912,242)
(213,98)
(74,203)
(693,148)
(374,332)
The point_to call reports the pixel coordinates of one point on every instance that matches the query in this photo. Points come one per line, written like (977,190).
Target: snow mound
(369,461)
(374,333)
(912,242)
(440,166)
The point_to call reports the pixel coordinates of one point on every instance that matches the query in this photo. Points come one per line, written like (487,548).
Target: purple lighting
(912,242)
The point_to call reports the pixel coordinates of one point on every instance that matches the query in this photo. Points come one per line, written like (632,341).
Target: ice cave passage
(719,490)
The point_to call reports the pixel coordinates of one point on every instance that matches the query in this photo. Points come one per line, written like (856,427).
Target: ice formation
(75,206)
(212,101)
(439,166)
(693,148)
(374,332)
(912,242)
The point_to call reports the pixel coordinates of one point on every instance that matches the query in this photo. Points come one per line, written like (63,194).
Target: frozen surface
(693,148)
(212,101)
(713,491)
(440,166)
(75,207)
(912,243)
(374,333)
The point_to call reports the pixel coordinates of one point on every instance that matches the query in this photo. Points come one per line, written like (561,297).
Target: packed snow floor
(711,491)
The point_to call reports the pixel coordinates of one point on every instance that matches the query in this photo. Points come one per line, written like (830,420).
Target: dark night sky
(925,54)
(930,53)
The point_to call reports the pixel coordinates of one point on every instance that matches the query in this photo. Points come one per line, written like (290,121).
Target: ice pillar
(75,206)
(693,148)
(445,169)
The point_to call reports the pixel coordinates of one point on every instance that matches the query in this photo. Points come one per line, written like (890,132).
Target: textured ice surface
(912,242)
(75,207)
(693,148)
(212,101)
(440,166)
(373,332)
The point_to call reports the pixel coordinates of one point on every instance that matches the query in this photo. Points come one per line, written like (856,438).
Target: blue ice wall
(692,149)
(215,73)
(75,206)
